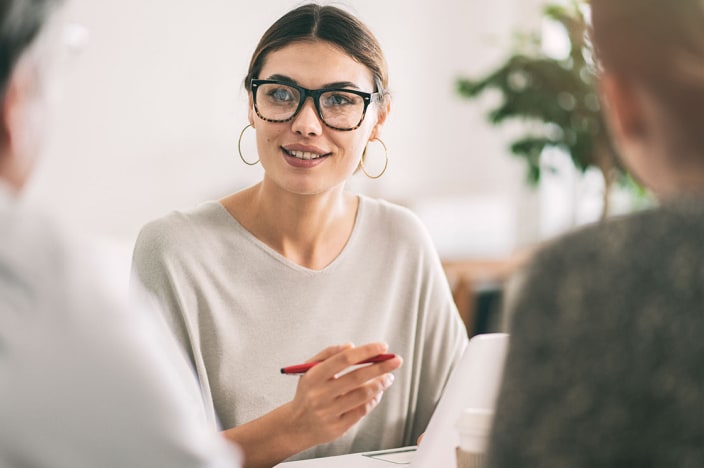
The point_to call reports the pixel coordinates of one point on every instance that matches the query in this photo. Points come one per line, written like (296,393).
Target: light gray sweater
(243,311)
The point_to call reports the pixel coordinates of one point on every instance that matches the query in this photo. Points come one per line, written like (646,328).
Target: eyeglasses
(339,109)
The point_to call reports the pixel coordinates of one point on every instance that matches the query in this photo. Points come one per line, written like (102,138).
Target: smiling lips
(305,155)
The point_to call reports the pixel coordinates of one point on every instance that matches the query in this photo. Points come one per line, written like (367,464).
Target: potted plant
(560,95)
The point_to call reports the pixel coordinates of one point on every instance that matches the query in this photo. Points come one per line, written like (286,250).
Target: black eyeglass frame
(367,98)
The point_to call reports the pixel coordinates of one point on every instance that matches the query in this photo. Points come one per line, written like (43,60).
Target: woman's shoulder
(391,215)
(392,225)
(180,226)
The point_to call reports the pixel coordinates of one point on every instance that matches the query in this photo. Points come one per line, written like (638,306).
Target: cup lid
(475,420)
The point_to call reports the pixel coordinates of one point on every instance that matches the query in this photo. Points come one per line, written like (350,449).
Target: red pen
(303,368)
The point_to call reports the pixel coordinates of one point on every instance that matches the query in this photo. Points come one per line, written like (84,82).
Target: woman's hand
(329,401)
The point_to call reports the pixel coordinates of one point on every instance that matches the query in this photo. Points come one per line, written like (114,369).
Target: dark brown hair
(327,23)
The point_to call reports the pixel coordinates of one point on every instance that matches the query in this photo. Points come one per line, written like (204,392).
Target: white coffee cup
(473,427)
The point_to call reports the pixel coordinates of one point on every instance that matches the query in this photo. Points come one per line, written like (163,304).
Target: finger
(351,417)
(321,400)
(360,376)
(330,351)
(363,394)
(346,358)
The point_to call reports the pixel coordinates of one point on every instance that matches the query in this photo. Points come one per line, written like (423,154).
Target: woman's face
(304,156)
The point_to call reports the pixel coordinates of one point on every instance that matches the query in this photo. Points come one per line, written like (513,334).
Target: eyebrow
(336,84)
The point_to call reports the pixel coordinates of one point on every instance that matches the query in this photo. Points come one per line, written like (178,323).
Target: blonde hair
(660,44)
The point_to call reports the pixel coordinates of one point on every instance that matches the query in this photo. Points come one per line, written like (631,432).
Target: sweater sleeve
(156,270)
(160,270)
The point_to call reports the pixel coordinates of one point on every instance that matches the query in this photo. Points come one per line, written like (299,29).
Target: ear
(10,109)
(16,148)
(623,107)
(7,154)
(382,114)
(250,110)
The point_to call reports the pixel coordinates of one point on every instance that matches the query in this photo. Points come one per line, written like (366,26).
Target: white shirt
(85,380)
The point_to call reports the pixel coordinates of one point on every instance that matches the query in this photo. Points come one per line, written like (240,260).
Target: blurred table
(472,280)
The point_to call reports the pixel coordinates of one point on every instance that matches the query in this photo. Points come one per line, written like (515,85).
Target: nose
(307,121)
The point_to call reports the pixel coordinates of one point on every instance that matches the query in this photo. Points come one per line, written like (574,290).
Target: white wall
(153,106)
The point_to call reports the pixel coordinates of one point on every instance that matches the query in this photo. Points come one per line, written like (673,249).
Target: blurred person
(294,264)
(605,363)
(85,381)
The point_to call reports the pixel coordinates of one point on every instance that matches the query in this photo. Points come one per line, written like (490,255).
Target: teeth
(303,155)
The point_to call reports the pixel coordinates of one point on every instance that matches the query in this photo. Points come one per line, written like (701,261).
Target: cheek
(353,149)
(357,141)
(267,137)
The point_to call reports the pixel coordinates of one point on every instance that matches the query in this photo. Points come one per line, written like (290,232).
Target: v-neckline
(358,220)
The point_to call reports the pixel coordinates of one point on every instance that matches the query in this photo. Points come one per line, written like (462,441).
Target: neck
(681,184)
(310,230)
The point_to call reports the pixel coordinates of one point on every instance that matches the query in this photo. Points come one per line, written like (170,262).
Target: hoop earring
(239,146)
(386,161)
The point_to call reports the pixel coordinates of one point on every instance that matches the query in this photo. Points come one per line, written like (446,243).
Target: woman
(605,365)
(275,273)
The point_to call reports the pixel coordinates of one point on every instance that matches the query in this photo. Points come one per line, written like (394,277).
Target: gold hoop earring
(239,146)
(386,161)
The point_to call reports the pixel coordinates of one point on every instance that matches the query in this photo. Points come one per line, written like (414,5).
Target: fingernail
(389,379)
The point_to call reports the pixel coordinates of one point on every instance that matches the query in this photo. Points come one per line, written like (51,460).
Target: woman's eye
(338,99)
(280,95)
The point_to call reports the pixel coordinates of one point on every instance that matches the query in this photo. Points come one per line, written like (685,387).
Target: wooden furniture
(468,278)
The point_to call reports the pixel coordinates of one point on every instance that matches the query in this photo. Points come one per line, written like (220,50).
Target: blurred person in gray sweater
(605,365)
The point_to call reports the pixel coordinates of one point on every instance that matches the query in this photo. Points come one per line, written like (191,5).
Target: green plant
(560,95)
